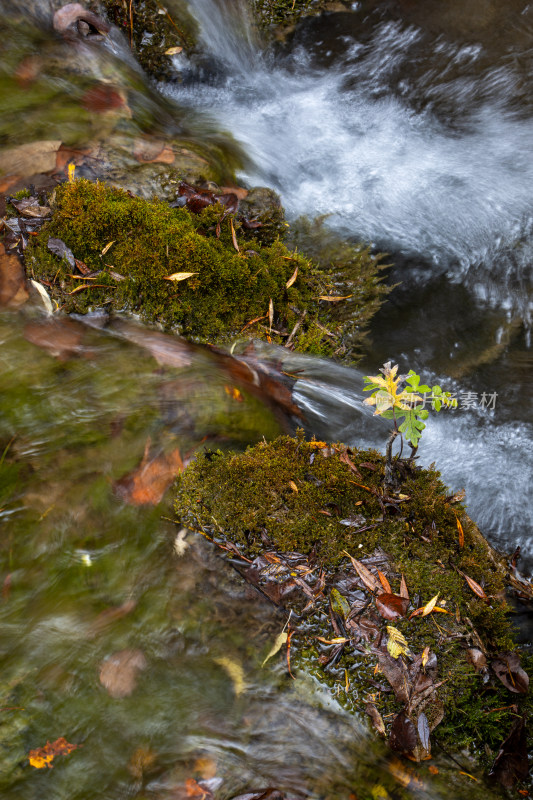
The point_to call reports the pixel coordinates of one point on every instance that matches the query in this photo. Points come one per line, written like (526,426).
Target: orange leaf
(43,756)
(420,611)
(461,532)
(476,588)
(384,582)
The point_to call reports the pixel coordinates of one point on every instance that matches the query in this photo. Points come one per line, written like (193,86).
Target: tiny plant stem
(390,480)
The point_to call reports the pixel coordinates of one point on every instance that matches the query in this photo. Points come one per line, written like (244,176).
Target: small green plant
(397,397)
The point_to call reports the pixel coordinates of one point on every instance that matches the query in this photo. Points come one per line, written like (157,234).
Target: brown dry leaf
(62,337)
(476,588)
(118,673)
(403,737)
(507,668)
(180,276)
(344,457)
(391,606)
(371,583)
(270,313)
(477,659)
(461,532)
(377,719)
(511,763)
(13,289)
(147,484)
(384,582)
(403,589)
(292,279)
(332,298)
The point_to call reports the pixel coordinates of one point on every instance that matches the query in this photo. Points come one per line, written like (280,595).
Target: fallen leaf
(108,245)
(391,606)
(118,673)
(428,608)
(173,51)
(423,730)
(397,643)
(332,298)
(43,756)
(270,313)
(476,588)
(235,672)
(366,576)
(511,763)
(384,582)
(377,719)
(235,242)
(507,668)
(425,655)
(276,647)
(60,249)
(403,734)
(147,484)
(180,276)
(142,760)
(403,589)
(292,279)
(476,658)
(45,297)
(461,532)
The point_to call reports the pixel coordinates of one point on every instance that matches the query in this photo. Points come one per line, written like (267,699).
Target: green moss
(145,242)
(285,13)
(293,495)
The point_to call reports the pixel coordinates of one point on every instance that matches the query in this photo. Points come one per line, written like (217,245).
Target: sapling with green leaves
(397,397)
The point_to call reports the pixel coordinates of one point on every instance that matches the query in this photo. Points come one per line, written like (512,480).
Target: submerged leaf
(235,672)
(43,756)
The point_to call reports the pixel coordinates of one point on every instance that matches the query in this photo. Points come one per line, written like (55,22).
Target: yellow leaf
(333,298)
(180,276)
(292,279)
(106,248)
(278,644)
(461,532)
(71,171)
(235,671)
(425,656)
(428,608)
(397,643)
(293,486)
(173,51)
(336,640)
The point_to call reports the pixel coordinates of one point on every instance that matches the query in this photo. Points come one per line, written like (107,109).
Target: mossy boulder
(280,16)
(301,512)
(132,255)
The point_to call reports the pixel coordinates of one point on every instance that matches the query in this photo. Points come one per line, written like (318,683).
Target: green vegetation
(326,500)
(134,254)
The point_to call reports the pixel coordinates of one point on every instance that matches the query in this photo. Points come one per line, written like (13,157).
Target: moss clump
(285,13)
(291,496)
(130,246)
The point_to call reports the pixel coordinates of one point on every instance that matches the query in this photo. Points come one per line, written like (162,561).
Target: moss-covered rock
(300,508)
(282,15)
(129,248)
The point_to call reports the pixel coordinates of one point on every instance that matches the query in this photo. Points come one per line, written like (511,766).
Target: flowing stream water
(411,126)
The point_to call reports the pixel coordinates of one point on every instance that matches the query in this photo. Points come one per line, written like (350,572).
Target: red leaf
(391,606)
(476,588)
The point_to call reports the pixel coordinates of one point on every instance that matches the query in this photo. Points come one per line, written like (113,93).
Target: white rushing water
(336,140)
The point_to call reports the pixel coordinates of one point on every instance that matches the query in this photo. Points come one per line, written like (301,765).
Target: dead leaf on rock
(13,289)
(403,737)
(118,673)
(511,763)
(506,667)
(377,719)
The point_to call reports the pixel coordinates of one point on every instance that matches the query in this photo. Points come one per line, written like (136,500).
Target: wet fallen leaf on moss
(366,576)
(60,249)
(179,276)
(403,589)
(391,606)
(397,643)
(385,583)
(507,668)
(173,51)
(377,719)
(332,298)
(43,756)
(461,532)
(476,588)
(292,279)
